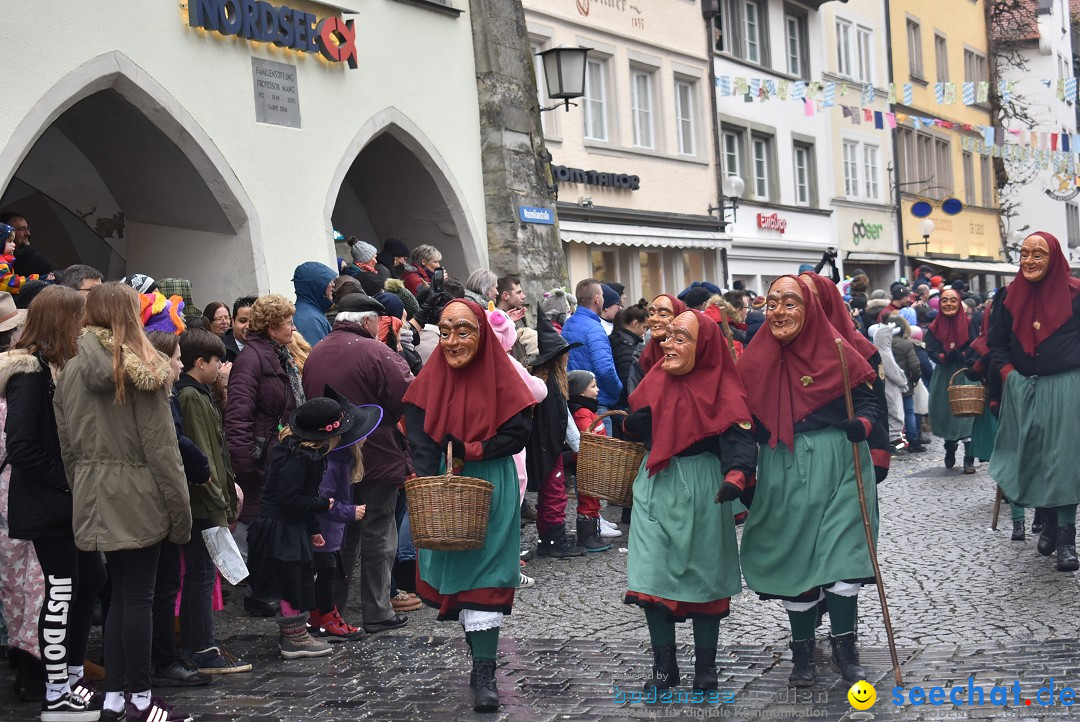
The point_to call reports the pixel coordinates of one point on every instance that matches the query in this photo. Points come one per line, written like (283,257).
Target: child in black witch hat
(283,537)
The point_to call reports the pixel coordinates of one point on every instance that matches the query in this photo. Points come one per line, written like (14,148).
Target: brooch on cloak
(1036,325)
(806,381)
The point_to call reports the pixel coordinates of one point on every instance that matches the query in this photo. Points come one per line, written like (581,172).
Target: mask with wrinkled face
(785,310)
(459,335)
(680,345)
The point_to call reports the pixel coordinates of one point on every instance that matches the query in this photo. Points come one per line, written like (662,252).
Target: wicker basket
(607,467)
(967,399)
(448,512)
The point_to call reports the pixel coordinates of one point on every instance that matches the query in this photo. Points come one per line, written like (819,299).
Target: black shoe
(259,608)
(485,690)
(555,544)
(624,518)
(179,674)
(1066,549)
(588,535)
(527,555)
(916,448)
(405,575)
(1018,530)
(665,670)
(950,454)
(845,658)
(29,683)
(1048,539)
(705,670)
(1039,522)
(395,622)
(969,464)
(802,670)
(68,708)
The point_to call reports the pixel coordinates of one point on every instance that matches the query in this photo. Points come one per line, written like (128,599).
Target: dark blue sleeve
(196,465)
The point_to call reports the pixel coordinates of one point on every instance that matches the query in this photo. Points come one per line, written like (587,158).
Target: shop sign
(863,231)
(772,222)
(544,216)
(259,21)
(563,174)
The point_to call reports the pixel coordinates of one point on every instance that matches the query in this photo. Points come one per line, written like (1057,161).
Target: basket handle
(449,460)
(601,417)
(958,372)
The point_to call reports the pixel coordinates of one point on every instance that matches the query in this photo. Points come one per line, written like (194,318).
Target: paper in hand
(225,554)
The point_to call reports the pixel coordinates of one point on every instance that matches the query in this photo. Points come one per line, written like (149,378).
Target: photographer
(828,258)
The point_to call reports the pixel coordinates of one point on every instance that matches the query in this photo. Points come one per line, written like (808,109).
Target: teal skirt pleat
(944,424)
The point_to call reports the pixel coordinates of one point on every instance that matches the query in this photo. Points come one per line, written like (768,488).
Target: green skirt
(495,565)
(805,527)
(945,425)
(984,431)
(1036,459)
(682,543)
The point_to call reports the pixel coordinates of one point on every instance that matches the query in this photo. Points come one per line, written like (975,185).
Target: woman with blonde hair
(129,491)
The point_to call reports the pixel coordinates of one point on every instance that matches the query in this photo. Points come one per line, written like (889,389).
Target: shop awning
(867,256)
(973,266)
(610,234)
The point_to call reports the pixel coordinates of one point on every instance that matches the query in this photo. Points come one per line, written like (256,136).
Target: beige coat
(122,461)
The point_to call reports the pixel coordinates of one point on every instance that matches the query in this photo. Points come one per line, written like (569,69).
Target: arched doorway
(111,172)
(397,186)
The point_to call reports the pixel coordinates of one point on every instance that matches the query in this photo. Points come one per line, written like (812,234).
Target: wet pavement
(965,602)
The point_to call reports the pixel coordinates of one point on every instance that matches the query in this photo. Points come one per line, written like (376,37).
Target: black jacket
(39,503)
(625,350)
(1059,353)
(29,260)
(754,321)
(232,348)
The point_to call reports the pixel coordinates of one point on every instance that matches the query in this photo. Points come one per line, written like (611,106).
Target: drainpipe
(896,152)
(709,10)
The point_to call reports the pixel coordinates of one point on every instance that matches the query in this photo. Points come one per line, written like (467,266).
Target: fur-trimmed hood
(876,305)
(96,350)
(15,362)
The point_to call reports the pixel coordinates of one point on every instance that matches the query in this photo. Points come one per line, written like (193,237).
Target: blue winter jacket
(310,280)
(594,354)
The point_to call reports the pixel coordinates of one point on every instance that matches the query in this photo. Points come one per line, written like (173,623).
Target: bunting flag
(755,87)
(724,83)
(908,94)
(770,88)
(950,93)
(868,115)
(741,86)
(782,89)
(983,93)
(1061,89)
(939,92)
(988,134)
(890,120)
(798,90)
(969,93)
(808,107)
(879,120)
(1005,89)
(1070,88)
(830,95)
(868,94)
(891,99)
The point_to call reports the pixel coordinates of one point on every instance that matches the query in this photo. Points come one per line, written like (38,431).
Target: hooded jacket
(594,354)
(122,460)
(216,500)
(39,502)
(310,281)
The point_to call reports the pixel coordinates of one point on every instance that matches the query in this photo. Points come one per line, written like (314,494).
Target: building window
(684,116)
(864,39)
(853,55)
(843,49)
(652,273)
(975,68)
(693,266)
(943,173)
(795,45)
(907,165)
(914,46)
(739,29)
(760,150)
(986,171)
(641,107)
(924,150)
(803,157)
(732,153)
(752,34)
(870,172)
(596,125)
(1072,225)
(969,178)
(851,169)
(941,58)
(605,265)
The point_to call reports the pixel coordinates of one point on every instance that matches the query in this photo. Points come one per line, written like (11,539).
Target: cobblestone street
(965,602)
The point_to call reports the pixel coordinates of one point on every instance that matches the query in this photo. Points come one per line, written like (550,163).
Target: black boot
(1066,549)
(1018,530)
(624,517)
(1039,522)
(1048,539)
(705,669)
(482,681)
(845,658)
(802,670)
(588,535)
(969,460)
(665,669)
(950,454)
(554,543)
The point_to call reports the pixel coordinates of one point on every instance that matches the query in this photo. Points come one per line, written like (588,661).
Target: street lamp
(564,74)
(733,187)
(925,229)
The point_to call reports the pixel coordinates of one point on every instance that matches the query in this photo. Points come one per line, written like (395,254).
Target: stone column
(513,151)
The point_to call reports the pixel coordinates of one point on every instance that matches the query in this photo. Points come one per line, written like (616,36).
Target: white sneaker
(608,530)
(526,582)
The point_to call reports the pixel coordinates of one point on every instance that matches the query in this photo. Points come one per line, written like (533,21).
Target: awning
(611,234)
(867,256)
(996,268)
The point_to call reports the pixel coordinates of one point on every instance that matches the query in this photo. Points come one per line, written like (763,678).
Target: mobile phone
(437,280)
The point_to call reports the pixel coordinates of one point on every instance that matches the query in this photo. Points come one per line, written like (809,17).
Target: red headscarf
(955,331)
(980,345)
(652,353)
(832,303)
(470,403)
(785,383)
(1047,304)
(689,408)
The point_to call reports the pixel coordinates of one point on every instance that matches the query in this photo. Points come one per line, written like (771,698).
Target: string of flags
(971,92)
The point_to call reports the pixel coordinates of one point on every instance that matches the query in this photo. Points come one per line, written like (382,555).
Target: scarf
(1040,309)
(289,364)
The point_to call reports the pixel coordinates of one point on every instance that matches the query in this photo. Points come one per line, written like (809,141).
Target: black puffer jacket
(39,504)
(625,349)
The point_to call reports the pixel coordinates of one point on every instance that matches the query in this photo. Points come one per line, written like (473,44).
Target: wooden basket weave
(448,512)
(967,399)
(607,467)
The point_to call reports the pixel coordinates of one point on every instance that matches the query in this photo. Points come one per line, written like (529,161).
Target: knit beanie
(393,305)
(395,248)
(578,381)
(140,282)
(162,314)
(360,251)
(396,287)
(555,303)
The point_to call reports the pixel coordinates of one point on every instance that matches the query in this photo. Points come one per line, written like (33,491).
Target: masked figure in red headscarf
(471,397)
(1034,341)
(804,539)
(947,340)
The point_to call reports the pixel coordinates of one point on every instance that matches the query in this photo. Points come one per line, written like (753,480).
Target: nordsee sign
(536,215)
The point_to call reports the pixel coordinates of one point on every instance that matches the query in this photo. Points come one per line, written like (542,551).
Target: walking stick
(866,519)
(997,509)
(727,334)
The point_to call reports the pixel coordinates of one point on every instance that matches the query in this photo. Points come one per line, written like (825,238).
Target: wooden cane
(727,334)
(866,519)
(997,509)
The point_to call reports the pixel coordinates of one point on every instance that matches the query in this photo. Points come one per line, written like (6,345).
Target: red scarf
(695,406)
(979,345)
(1046,304)
(952,331)
(832,303)
(786,383)
(652,353)
(473,402)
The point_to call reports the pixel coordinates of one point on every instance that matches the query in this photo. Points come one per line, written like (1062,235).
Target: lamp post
(925,229)
(733,187)
(564,74)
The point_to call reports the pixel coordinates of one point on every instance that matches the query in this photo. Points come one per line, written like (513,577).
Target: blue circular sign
(952,206)
(921,209)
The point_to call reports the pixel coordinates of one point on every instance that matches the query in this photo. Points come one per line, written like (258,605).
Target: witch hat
(549,343)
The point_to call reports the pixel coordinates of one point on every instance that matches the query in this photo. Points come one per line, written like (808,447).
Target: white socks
(75,674)
(114,701)
(54,692)
(141,699)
